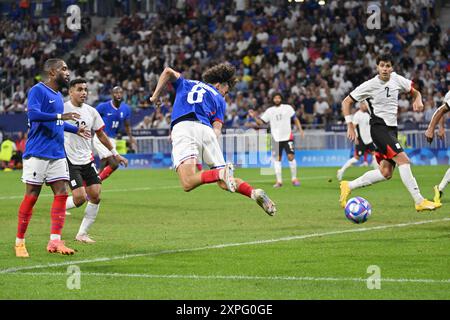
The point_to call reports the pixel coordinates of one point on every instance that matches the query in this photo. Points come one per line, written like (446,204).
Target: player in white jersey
(438,117)
(280,117)
(79,157)
(381,94)
(363,142)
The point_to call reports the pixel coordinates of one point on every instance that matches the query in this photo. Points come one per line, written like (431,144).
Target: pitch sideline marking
(230,277)
(219,246)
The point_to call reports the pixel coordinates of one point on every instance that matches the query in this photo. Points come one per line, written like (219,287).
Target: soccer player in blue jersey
(115,114)
(197,119)
(44,156)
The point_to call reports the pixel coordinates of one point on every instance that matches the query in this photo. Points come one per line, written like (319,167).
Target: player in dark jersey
(44,156)
(115,114)
(197,119)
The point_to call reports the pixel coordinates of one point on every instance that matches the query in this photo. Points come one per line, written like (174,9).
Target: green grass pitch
(155,241)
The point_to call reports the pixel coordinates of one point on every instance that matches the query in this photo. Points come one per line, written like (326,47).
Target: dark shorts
(287,146)
(386,142)
(361,148)
(79,173)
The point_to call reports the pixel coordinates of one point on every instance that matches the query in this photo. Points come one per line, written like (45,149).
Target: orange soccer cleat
(21,251)
(57,246)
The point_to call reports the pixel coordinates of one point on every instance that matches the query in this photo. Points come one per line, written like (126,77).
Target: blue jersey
(113,117)
(197,100)
(45,137)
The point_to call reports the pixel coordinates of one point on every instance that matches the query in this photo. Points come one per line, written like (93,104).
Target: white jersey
(362,119)
(382,97)
(78,149)
(447,100)
(280,121)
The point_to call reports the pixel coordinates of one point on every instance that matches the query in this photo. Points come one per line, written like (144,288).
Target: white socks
(277,167)
(445,181)
(55,237)
(69,203)
(349,163)
(410,183)
(19,241)
(293,166)
(89,217)
(368,178)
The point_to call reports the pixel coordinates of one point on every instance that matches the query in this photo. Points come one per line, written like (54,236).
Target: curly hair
(221,73)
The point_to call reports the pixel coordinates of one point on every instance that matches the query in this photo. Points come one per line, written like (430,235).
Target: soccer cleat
(57,246)
(427,205)
(437,195)
(228,177)
(278,185)
(264,202)
(295,183)
(21,251)
(84,238)
(345,192)
(340,174)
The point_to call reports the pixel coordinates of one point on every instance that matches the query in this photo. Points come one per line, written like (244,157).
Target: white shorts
(191,139)
(37,171)
(100,149)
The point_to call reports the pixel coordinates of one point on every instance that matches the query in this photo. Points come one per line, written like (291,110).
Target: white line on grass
(154,188)
(229,277)
(219,246)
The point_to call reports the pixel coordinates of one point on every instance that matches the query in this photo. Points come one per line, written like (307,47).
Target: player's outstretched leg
(90,213)
(293,168)
(191,179)
(367,179)
(259,195)
(348,164)
(278,174)
(438,190)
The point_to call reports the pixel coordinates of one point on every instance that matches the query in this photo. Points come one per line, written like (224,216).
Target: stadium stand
(314,54)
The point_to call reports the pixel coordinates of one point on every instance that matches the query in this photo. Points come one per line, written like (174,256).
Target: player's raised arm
(346,107)
(438,117)
(167,75)
(417,103)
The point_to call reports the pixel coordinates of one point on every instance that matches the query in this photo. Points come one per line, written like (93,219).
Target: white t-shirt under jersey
(382,96)
(362,119)
(78,149)
(280,121)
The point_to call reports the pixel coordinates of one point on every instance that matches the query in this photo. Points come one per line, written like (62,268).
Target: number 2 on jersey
(196,94)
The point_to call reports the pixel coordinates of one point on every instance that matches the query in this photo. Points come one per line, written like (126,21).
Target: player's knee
(95,199)
(386,172)
(78,201)
(187,186)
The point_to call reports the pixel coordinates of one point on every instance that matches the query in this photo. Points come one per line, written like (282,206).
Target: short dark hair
(74,82)
(51,64)
(277,94)
(221,73)
(386,57)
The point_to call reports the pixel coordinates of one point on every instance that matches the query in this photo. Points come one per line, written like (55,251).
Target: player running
(197,119)
(363,142)
(115,114)
(79,157)
(280,117)
(44,157)
(381,94)
(438,117)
